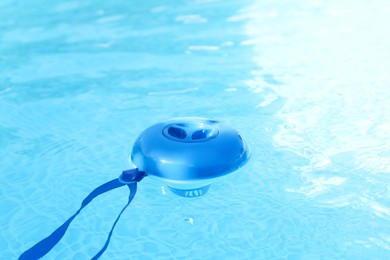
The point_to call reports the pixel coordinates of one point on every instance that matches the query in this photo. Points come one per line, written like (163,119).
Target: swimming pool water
(306,82)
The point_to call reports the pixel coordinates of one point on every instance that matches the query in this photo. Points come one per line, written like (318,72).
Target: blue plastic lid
(189,149)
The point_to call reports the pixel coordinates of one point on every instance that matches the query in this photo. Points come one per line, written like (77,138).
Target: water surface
(306,83)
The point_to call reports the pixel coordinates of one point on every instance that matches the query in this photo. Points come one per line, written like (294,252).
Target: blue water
(306,82)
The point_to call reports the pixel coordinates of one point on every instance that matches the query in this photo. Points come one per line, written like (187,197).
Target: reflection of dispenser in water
(189,153)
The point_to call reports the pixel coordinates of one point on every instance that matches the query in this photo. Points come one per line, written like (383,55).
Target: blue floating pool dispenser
(187,154)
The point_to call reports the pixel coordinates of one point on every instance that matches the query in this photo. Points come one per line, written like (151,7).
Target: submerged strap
(45,245)
(133,190)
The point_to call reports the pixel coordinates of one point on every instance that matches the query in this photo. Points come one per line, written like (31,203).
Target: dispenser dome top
(189,149)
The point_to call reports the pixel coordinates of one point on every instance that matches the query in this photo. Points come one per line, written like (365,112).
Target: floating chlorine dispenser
(187,154)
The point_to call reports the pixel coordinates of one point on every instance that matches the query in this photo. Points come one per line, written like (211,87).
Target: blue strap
(45,245)
(133,190)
